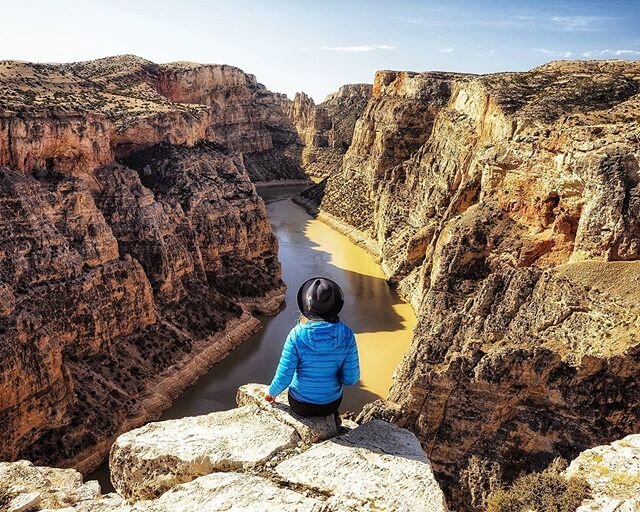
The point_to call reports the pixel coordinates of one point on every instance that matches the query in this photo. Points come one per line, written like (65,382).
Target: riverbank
(309,247)
(355,235)
(160,393)
(282,183)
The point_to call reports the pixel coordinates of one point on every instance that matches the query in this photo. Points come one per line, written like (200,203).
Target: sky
(317,46)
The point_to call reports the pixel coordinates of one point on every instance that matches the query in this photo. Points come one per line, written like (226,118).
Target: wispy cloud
(358,48)
(607,52)
(446,50)
(565,54)
(548,23)
(579,23)
(554,53)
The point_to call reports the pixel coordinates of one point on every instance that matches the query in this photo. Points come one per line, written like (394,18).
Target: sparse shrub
(540,492)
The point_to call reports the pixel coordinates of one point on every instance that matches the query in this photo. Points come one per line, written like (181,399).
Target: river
(381,320)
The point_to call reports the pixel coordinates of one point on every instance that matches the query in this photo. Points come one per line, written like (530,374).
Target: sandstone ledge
(150,460)
(374,466)
(24,486)
(310,430)
(248,458)
(613,473)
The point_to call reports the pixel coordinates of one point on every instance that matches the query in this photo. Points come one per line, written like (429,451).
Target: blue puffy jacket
(318,358)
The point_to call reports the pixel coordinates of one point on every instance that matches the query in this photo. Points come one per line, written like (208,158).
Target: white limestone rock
(111,502)
(377,466)
(25,502)
(231,492)
(56,487)
(613,473)
(150,460)
(310,430)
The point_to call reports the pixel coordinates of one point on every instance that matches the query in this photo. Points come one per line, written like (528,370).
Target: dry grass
(540,492)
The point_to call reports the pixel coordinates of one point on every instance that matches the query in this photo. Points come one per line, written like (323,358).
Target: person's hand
(269,398)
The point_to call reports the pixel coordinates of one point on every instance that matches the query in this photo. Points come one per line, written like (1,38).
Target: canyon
(326,129)
(137,254)
(505,208)
(135,250)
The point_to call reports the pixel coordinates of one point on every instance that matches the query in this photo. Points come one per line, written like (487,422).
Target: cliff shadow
(309,248)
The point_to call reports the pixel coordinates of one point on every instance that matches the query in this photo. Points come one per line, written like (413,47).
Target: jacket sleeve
(350,370)
(286,367)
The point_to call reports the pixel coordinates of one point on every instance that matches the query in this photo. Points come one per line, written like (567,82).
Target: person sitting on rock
(320,354)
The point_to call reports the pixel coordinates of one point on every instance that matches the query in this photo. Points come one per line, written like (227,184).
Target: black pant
(306,409)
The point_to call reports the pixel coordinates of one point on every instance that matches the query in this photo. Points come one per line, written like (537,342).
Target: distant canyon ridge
(505,208)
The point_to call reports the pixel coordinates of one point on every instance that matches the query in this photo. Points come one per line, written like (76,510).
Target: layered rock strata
(505,208)
(78,116)
(134,248)
(249,458)
(326,129)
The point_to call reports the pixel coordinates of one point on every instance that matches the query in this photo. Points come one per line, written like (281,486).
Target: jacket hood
(323,336)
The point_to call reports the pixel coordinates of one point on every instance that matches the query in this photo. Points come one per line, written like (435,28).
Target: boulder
(25,502)
(232,491)
(148,461)
(27,486)
(377,466)
(310,430)
(613,473)
(107,503)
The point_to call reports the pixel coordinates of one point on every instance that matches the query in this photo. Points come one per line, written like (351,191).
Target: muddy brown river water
(381,320)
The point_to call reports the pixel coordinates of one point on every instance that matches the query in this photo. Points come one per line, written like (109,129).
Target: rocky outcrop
(76,117)
(504,207)
(249,458)
(310,430)
(24,486)
(134,247)
(149,461)
(326,129)
(613,474)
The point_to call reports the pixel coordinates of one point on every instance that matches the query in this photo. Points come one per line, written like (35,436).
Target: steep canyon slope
(133,246)
(326,129)
(506,208)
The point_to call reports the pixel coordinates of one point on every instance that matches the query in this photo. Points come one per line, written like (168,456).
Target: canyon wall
(505,208)
(134,247)
(326,129)
(82,115)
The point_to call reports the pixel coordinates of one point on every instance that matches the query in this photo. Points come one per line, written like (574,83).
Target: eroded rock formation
(326,129)
(75,117)
(249,458)
(505,208)
(133,245)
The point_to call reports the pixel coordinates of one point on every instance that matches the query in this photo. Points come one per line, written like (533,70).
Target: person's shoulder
(297,329)
(345,329)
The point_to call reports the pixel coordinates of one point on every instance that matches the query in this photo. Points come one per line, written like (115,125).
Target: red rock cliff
(505,208)
(133,246)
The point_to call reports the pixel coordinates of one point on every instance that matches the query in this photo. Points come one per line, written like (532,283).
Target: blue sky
(317,46)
